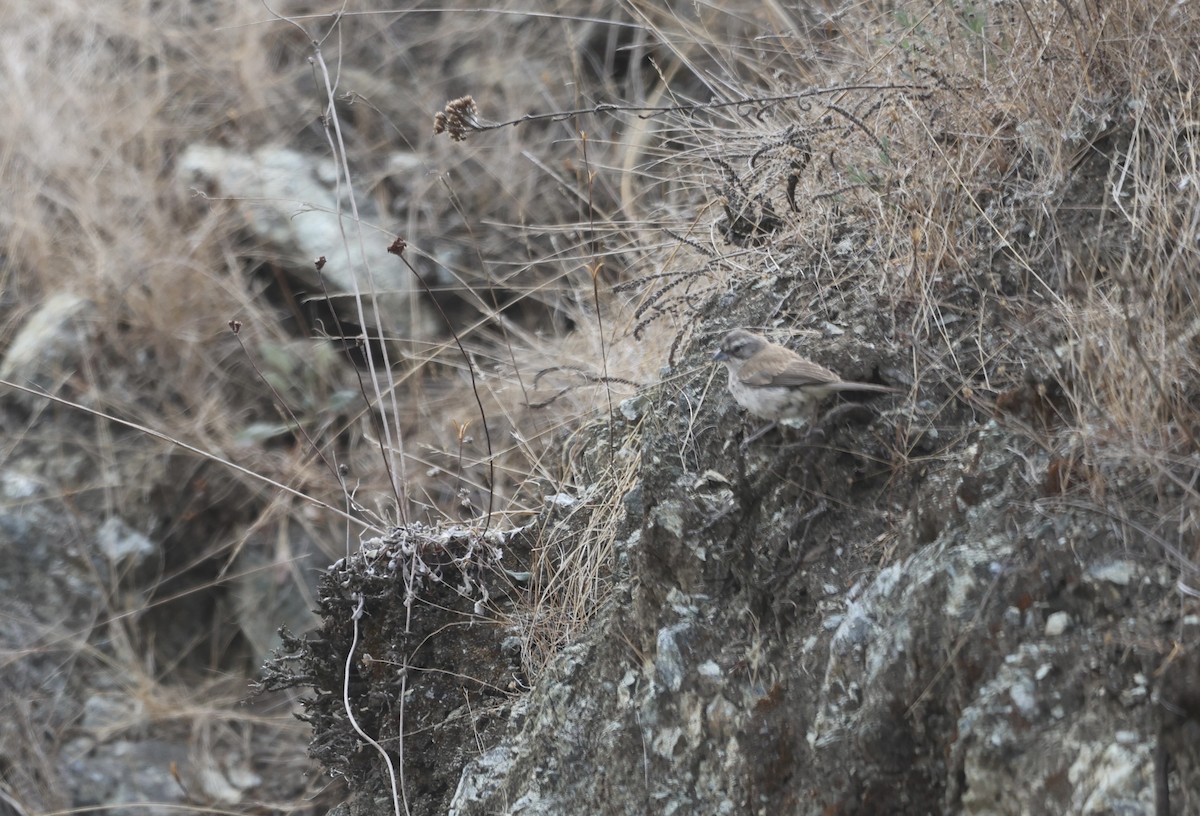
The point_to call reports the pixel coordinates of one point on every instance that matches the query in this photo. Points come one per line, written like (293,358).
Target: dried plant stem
(398,795)
(203,454)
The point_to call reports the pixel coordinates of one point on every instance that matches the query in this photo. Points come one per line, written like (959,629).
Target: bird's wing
(798,374)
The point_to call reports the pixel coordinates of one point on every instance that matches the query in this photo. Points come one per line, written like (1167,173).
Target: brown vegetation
(1015,184)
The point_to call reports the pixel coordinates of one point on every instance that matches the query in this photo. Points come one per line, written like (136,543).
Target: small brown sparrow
(775,383)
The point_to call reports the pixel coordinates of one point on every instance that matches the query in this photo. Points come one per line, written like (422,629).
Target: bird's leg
(814,428)
(813,431)
(759,434)
(838,411)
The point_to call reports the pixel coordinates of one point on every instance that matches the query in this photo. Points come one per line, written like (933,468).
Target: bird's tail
(858,386)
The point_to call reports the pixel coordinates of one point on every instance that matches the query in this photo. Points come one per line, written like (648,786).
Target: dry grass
(92,208)
(1017,184)
(1032,164)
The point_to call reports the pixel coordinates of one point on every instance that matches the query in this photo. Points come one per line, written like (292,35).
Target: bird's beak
(720,356)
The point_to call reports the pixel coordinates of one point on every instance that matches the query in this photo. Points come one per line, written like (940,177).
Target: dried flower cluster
(459,117)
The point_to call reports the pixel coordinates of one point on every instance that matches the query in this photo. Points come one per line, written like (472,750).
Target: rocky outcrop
(838,621)
(1010,657)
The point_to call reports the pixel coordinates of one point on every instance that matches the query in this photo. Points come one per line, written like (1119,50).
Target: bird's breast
(770,402)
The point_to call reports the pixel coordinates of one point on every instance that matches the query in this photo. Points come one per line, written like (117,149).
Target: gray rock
(669,664)
(290,202)
(48,348)
(122,545)
(273,585)
(129,777)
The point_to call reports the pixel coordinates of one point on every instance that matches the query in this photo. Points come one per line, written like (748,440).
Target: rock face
(756,662)
(817,626)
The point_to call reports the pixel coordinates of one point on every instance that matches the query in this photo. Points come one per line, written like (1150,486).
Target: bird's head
(738,347)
